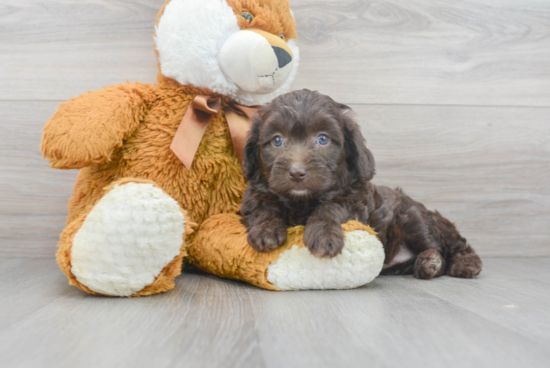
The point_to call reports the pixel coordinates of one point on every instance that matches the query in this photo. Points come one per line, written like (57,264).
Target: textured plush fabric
(125,131)
(122,135)
(359,263)
(163,282)
(220,247)
(84,132)
(127,239)
(206,25)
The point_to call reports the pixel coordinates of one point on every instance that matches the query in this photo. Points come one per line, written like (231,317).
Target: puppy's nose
(297,174)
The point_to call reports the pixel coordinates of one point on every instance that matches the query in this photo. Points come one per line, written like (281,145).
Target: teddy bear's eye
(282,36)
(249,17)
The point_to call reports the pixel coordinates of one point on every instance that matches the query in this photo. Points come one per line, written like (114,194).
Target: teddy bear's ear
(251,161)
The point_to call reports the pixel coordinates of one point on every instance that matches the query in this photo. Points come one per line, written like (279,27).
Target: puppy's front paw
(267,237)
(324,240)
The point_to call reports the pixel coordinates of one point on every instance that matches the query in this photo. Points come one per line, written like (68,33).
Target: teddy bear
(160,176)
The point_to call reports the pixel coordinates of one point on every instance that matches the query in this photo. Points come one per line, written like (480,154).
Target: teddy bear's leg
(130,243)
(220,247)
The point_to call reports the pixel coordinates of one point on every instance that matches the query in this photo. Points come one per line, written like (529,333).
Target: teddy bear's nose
(283,56)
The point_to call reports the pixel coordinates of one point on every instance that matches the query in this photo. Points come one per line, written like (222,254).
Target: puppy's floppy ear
(358,157)
(251,162)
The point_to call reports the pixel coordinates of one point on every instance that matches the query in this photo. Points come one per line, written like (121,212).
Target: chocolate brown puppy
(307,163)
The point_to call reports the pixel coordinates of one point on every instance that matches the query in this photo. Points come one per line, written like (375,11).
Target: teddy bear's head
(244,49)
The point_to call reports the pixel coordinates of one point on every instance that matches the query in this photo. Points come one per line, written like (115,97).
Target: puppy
(307,163)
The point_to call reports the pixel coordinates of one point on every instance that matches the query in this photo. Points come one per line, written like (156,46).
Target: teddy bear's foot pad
(359,263)
(127,239)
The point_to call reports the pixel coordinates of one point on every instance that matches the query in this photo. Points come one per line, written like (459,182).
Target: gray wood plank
(481,52)
(388,323)
(57,49)
(204,322)
(487,169)
(210,322)
(33,198)
(511,292)
(36,281)
(54,50)
(382,52)
(521,269)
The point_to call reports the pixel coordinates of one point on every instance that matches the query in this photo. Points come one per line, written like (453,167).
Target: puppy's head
(303,145)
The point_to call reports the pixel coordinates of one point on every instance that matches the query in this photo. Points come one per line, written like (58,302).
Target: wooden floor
(453,97)
(501,319)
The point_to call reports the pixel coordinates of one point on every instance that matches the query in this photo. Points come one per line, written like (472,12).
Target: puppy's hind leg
(406,225)
(439,246)
(464,263)
(462,260)
(420,234)
(429,264)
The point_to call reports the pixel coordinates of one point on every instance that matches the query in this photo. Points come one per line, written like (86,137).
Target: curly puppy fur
(307,163)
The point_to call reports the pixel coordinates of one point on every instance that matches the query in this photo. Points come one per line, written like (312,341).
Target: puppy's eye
(278,141)
(248,16)
(323,140)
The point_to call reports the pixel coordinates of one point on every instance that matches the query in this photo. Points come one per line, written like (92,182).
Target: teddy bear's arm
(86,130)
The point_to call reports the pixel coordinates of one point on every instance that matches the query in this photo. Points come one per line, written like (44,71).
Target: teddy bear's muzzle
(256,61)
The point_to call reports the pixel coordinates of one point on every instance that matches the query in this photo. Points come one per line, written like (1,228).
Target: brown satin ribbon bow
(193,126)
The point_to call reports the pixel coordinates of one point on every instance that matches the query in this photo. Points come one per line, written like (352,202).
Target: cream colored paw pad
(358,264)
(127,239)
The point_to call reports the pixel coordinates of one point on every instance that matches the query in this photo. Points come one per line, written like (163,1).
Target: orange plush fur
(123,133)
(230,255)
